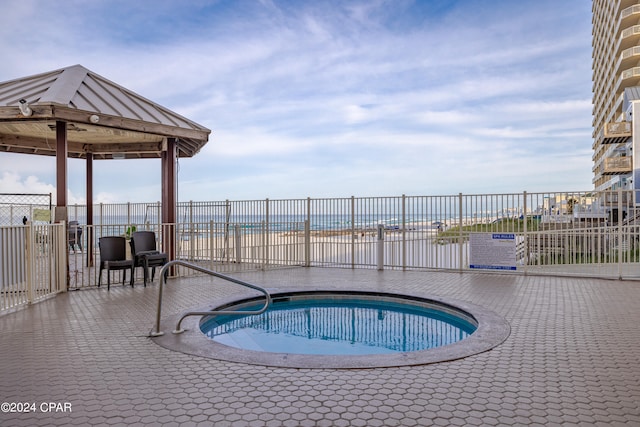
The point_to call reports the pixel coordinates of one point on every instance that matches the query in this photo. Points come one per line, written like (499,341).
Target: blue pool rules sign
(493,251)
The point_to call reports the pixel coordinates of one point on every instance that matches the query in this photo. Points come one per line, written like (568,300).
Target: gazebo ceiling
(102,118)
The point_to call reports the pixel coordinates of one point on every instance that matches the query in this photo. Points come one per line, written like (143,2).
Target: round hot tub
(341,329)
(340,324)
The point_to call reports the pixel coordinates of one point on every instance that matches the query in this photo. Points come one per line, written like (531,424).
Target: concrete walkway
(83,358)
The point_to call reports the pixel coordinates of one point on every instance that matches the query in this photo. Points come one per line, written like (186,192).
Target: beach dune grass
(503,225)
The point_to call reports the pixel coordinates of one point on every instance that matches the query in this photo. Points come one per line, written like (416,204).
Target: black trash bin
(74,235)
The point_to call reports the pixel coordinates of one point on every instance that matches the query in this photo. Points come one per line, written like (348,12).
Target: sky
(332,98)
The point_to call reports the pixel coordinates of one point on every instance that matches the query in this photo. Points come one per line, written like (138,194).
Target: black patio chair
(145,254)
(74,235)
(113,256)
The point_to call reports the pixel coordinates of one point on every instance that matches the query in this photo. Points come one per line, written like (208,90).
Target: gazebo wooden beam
(61,171)
(54,112)
(71,114)
(76,144)
(78,147)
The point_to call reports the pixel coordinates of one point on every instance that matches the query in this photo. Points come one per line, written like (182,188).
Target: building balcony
(613,198)
(628,58)
(629,37)
(617,166)
(615,133)
(631,76)
(629,16)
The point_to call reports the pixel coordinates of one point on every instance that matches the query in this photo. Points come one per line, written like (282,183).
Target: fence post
(211,244)
(227,219)
(29,259)
(525,256)
(353,232)
(63,261)
(460,240)
(307,243)
(266,240)
(404,236)
(380,247)
(159,216)
(307,235)
(238,243)
(620,246)
(192,243)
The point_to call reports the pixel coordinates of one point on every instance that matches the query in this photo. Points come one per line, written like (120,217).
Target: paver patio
(571,359)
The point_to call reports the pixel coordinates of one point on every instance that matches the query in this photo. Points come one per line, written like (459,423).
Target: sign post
(380,247)
(493,251)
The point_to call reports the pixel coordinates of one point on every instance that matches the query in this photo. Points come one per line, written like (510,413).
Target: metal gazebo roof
(102,118)
(74,112)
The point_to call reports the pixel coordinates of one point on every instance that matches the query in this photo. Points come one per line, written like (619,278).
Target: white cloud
(13,183)
(352,97)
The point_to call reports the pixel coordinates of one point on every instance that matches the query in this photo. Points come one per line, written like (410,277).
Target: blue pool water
(341,325)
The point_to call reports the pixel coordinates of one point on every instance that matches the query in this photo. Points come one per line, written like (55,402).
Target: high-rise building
(616,88)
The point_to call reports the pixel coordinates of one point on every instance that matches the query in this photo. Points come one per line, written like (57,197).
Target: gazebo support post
(60,213)
(169,186)
(89,196)
(61,172)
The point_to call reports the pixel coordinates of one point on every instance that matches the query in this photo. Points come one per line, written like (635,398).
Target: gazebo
(75,113)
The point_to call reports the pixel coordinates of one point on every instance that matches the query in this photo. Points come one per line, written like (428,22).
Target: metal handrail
(178,329)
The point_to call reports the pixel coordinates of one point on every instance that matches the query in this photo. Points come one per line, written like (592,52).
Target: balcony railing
(629,36)
(631,72)
(630,11)
(618,132)
(617,165)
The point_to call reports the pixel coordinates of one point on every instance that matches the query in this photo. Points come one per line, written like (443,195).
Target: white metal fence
(561,233)
(556,233)
(32,263)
